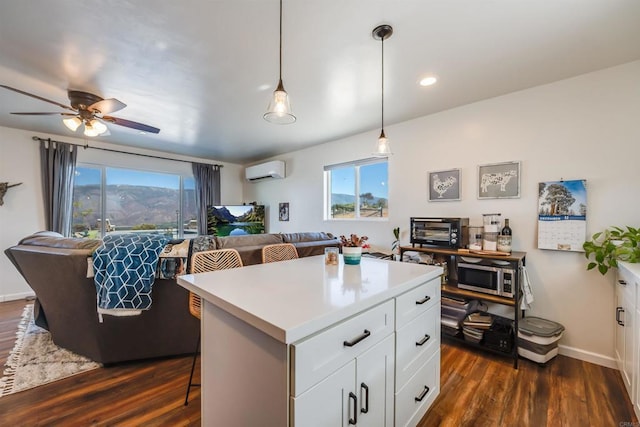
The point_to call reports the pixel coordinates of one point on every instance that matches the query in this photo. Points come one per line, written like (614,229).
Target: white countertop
(634,268)
(290,300)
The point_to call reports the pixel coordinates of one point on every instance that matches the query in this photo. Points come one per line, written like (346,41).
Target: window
(132,201)
(357,190)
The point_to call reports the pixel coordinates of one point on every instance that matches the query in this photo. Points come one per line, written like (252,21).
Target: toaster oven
(442,232)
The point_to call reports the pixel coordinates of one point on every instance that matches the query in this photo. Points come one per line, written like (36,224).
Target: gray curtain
(58,168)
(207,179)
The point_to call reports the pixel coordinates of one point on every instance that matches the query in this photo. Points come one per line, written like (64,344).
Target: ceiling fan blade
(107,106)
(66,107)
(131,124)
(45,114)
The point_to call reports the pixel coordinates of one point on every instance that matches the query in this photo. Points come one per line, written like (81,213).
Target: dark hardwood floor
(477,389)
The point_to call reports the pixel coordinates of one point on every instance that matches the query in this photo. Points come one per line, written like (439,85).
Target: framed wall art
(283,211)
(444,186)
(499,181)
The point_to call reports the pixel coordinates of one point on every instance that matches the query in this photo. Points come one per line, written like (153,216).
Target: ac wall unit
(263,171)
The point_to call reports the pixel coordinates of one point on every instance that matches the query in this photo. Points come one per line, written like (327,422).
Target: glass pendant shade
(383,149)
(73,123)
(279,110)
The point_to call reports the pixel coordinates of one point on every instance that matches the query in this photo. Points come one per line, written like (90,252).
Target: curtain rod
(85,146)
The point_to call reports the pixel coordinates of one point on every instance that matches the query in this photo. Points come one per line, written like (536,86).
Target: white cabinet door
(636,401)
(360,393)
(629,318)
(619,335)
(625,309)
(375,384)
(331,402)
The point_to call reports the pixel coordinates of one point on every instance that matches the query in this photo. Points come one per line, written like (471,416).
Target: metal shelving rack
(451,288)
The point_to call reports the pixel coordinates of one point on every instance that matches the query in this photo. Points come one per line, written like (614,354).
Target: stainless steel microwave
(488,279)
(442,232)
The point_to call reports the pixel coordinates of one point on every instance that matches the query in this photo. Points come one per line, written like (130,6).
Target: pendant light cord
(382,85)
(280,76)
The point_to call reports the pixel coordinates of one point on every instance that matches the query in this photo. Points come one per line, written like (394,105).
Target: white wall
(586,127)
(23,212)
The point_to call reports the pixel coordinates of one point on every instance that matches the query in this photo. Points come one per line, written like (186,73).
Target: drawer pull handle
(423,340)
(618,311)
(423,300)
(354,398)
(422,395)
(356,340)
(364,387)
(622,282)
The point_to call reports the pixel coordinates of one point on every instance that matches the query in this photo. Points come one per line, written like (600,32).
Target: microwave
(443,232)
(481,276)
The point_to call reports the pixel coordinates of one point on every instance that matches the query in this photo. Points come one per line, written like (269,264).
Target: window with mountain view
(132,201)
(357,190)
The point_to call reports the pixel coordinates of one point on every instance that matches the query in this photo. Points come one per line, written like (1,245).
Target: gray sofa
(55,268)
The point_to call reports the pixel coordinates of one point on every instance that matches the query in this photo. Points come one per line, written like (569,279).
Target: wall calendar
(562,215)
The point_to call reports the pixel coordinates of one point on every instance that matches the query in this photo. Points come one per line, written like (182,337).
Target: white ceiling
(203,71)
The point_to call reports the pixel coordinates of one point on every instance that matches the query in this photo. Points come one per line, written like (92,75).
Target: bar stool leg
(193,368)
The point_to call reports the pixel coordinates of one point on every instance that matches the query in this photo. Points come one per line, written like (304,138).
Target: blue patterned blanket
(125,267)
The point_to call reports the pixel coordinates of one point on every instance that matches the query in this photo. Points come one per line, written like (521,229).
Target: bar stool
(218,259)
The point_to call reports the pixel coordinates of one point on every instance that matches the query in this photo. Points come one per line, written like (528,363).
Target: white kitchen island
(301,343)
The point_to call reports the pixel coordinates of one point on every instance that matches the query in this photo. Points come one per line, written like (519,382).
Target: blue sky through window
(371,180)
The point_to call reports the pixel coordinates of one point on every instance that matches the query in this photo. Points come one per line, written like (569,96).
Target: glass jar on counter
(491,231)
(475,238)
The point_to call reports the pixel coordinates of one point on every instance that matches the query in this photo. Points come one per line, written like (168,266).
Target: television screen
(235,220)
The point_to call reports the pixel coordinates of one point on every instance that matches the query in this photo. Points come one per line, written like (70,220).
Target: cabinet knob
(622,282)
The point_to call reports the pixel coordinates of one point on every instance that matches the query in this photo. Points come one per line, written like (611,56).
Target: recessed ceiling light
(428,81)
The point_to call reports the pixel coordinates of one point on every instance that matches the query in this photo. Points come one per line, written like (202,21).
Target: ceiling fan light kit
(89,109)
(279,110)
(382,32)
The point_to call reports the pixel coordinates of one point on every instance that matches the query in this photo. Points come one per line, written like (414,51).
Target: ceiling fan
(90,110)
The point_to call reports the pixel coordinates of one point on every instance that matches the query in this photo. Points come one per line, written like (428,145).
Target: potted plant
(352,248)
(612,245)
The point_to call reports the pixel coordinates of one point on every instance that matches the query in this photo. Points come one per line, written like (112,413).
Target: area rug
(35,360)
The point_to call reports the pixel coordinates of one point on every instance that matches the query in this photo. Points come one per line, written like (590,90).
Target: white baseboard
(13,297)
(588,356)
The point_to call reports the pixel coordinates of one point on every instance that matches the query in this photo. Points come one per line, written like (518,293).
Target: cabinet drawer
(415,344)
(415,302)
(626,282)
(413,400)
(315,358)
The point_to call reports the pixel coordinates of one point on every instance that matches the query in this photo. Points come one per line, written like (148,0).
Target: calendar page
(562,215)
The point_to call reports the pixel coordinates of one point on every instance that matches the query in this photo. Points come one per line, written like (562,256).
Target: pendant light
(382,32)
(279,110)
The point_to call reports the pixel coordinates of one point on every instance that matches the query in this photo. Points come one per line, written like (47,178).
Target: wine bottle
(506,230)
(504,239)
